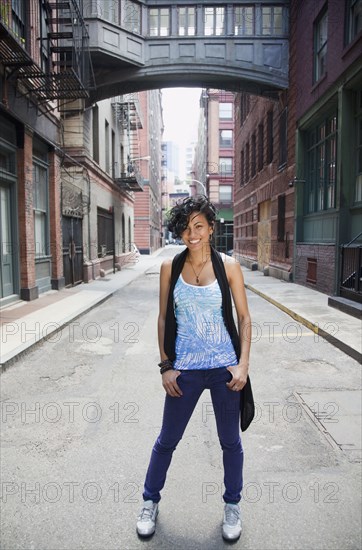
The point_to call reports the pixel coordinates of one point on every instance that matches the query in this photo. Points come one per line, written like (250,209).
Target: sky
(181,117)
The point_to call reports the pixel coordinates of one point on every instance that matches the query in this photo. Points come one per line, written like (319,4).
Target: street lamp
(131,167)
(202,185)
(140,158)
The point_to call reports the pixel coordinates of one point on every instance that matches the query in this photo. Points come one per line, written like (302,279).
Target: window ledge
(316,84)
(351,45)
(39,259)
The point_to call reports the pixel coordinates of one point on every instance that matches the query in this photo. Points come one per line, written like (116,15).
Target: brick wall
(325,258)
(270,179)
(28,290)
(339,56)
(55,221)
(142,220)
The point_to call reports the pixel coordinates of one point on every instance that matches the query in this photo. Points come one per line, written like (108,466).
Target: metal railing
(351,270)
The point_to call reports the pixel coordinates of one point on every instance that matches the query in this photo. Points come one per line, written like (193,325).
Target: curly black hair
(178,216)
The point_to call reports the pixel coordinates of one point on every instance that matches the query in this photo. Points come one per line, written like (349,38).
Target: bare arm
(169,377)
(165,280)
(236,282)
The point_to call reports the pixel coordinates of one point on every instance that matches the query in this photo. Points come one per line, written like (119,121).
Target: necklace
(197,275)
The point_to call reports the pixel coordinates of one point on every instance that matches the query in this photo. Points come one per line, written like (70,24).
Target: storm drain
(337,414)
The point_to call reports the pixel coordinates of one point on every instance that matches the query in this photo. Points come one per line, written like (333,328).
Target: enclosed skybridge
(139,45)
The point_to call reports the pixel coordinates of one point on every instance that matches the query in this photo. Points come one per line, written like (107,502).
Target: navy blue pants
(177,413)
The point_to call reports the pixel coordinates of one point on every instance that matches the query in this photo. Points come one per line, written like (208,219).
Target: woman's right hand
(169,383)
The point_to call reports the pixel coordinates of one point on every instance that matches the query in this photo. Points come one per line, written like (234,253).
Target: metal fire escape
(127,111)
(66,71)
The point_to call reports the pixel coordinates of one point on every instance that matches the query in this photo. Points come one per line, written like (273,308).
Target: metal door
(6,250)
(72,250)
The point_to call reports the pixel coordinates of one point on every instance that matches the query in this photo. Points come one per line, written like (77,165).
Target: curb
(312,326)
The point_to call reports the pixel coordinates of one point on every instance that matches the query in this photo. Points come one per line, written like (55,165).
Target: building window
(320,46)
(159,21)
(270,138)
(131,17)
(18,9)
(321,166)
(44,42)
(260,146)
(272,20)
(353,20)
(95,133)
(247,162)
(253,155)
(106,147)
(105,232)
(226,111)
(214,19)
(244,107)
(186,21)
(113,150)
(109,10)
(283,138)
(242,168)
(358,189)
(225,193)
(40,206)
(311,270)
(225,166)
(226,139)
(244,21)
(281,218)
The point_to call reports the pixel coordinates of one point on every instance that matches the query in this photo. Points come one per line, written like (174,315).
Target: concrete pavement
(80,414)
(24,324)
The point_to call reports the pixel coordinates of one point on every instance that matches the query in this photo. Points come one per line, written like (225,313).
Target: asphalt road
(81,411)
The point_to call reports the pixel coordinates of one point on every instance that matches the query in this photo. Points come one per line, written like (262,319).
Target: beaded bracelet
(165,368)
(165,363)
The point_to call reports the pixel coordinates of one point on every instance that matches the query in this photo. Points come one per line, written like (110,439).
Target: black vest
(227,311)
(247,408)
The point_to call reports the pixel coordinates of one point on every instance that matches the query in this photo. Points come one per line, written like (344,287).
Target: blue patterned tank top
(202,340)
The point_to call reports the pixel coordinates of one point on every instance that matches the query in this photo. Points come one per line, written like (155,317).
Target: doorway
(72,250)
(7,244)
(264,234)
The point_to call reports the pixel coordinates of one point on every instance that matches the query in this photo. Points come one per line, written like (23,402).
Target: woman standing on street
(200,349)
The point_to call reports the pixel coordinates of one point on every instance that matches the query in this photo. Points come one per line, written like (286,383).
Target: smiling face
(197,232)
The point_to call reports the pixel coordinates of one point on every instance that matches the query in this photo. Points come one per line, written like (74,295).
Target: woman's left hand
(239,377)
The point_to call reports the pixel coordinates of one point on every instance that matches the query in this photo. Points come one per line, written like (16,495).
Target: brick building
(214,160)
(148,232)
(33,85)
(327,40)
(67,172)
(263,196)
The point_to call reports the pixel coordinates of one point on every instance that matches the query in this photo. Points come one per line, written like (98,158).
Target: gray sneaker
(146,521)
(231,526)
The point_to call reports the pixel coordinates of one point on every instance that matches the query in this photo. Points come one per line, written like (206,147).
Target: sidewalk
(24,324)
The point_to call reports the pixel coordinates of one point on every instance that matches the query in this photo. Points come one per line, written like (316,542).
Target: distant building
(214,160)
(148,204)
(172,154)
(189,158)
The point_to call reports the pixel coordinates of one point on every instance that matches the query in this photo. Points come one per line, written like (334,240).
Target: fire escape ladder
(65,70)
(129,116)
